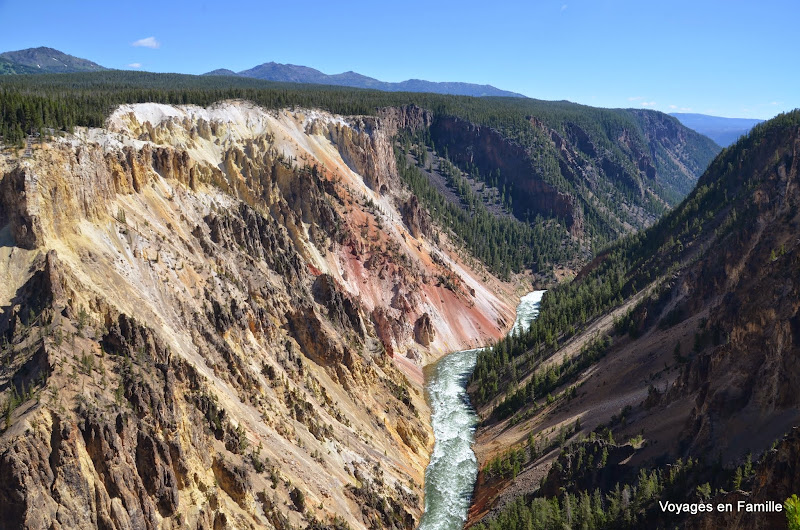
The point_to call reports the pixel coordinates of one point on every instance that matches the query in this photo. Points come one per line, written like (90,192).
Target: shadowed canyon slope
(218,317)
(606,172)
(679,381)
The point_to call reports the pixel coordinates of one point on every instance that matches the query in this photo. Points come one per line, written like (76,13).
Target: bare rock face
(85,474)
(342,309)
(262,237)
(570,470)
(298,499)
(367,149)
(415,218)
(155,467)
(44,288)
(233,480)
(391,328)
(131,167)
(309,332)
(15,203)
(405,117)
(423,330)
(366,145)
(384,329)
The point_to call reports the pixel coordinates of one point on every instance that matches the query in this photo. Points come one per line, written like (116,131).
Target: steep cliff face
(611,173)
(489,150)
(217,318)
(406,117)
(776,478)
(745,360)
(677,155)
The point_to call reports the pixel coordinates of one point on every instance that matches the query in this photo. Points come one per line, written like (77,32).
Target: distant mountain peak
(44,60)
(221,71)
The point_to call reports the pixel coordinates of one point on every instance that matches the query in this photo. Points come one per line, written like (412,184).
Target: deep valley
(220,297)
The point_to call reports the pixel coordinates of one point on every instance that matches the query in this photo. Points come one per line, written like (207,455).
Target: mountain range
(293,73)
(51,61)
(724,131)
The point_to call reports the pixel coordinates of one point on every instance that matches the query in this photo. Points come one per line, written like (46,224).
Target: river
(451,473)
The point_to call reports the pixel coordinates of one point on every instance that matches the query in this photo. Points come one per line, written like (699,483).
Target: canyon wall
(218,318)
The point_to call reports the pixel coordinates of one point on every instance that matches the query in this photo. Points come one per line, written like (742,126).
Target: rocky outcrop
(392,329)
(86,474)
(366,143)
(155,465)
(313,338)
(233,480)
(16,208)
(131,167)
(43,289)
(367,149)
(406,117)
(415,217)
(343,310)
(579,468)
(423,330)
(263,239)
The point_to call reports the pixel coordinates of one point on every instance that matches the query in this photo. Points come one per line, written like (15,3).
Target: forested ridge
(92,95)
(61,101)
(605,207)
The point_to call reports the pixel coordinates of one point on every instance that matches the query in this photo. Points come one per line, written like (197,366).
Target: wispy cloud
(564,7)
(135,65)
(642,101)
(673,107)
(149,42)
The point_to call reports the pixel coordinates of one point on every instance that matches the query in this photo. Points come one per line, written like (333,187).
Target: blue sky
(726,58)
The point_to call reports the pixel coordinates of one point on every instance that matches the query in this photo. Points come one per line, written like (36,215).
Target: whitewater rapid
(451,473)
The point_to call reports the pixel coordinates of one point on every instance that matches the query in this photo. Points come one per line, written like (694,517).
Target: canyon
(218,316)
